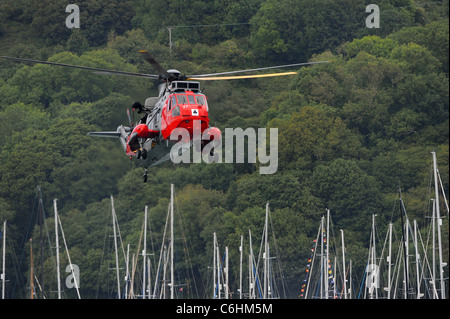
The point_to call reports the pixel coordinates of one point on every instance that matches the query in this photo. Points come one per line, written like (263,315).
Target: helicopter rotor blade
(237,77)
(96,70)
(113,134)
(129,118)
(164,74)
(257,69)
(147,57)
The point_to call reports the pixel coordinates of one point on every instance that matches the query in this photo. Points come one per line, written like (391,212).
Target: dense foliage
(351,132)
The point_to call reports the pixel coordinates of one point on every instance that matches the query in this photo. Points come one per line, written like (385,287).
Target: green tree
(434,36)
(100,17)
(415,58)
(106,113)
(194,21)
(43,85)
(48,21)
(77,42)
(128,45)
(350,193)
(314,135)
(280,190)
(5,210)
(17,118)
(293,30)
(374,45)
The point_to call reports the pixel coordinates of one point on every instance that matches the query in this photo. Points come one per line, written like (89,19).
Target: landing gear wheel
(145,177)
(144,153)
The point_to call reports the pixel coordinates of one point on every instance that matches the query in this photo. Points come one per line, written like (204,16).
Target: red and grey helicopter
(179,104)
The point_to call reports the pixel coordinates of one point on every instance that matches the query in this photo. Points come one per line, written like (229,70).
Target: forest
(353,135)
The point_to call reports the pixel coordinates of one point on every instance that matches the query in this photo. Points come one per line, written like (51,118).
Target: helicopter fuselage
(180,104)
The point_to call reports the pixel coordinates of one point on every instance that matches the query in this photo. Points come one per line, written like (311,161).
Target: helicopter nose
(132,138)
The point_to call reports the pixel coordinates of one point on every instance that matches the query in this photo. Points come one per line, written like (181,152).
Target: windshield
(181,99)
(197,99)
(200,99)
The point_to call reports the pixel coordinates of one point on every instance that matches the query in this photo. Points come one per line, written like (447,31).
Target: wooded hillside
(351,133)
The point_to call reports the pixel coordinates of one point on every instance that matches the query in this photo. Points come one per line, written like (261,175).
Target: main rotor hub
(174,72)
(173,75)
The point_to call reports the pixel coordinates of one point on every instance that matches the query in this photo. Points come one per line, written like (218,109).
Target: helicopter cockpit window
(197,99)
(200,99)
(169,104)
(181,99)
(174,102)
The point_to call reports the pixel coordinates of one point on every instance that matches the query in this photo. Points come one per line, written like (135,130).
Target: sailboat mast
(416,244)
(442,190)
(144,252)
(165,254)
(217,269)
(433,248)
(389,262)
(70,261)
(374,258)
(321,259)
(227,289)
(3,276)
(31,270)
(115,246)
(58,275)
(405,257)
(214,266)
(319,232)
(127,275)
(350,280)
(252,277)
(407,226)
(439,222)
(172,283)
(41,240)
(241,251)
(334,277)
(326,254)
(149,285)
(343,265)
(266,254)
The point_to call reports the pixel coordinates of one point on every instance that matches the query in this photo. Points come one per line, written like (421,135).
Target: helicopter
(180,105)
